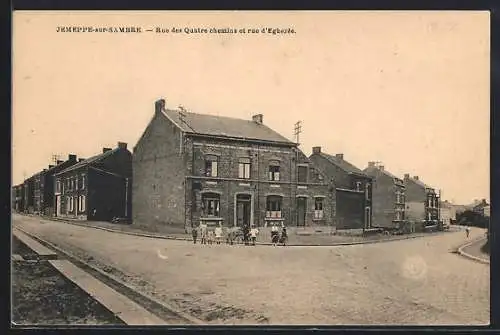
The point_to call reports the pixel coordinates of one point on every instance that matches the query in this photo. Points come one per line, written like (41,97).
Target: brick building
(97,188)
(43,186)
(388,197)
(422,201)
(28,195)
(191,168)
(17,198)
(353,190)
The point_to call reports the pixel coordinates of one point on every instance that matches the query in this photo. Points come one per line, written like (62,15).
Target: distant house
(353,190)
(191,168)
(388,197)
(97,188)
(481,207)
(448,212)
(424,198)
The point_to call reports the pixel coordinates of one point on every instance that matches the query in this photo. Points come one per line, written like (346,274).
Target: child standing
(194,233)
(210,237)
(218,234)
(203,231)
(253,234)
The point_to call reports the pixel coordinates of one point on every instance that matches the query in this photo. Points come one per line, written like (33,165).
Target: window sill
(208,218)
(318,220)
(274,219)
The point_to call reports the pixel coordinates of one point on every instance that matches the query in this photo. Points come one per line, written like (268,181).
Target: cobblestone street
(417,281)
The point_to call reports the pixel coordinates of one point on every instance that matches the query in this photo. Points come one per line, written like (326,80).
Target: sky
(408,89)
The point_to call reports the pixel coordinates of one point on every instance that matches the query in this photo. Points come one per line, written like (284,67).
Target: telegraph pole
(297,130)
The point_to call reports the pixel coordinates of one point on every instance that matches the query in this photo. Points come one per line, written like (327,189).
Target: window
(273,206)
(398,214)
(68,204)
(211,163)
(358,186)
(244,168)
(84,199)
(81,203)
(302,174)
(58,186)
(210,204)
(77,180)
(274,170)
(83,181)
(430,202)
(367,191)
(318,208)
(429,216)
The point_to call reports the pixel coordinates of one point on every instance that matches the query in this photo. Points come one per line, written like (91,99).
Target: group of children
(247,234)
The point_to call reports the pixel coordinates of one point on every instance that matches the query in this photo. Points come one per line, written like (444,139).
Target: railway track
(169,314)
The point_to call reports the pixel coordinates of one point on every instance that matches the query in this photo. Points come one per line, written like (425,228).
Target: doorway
(243,210)
(368,218)
(58,205)
(301,211)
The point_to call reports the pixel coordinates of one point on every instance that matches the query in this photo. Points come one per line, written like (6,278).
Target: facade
(29,195)
(43,186)
(97,188)
(417,193)
(17,198)
(191,168)
(353,189)
(388,197)
(448,212)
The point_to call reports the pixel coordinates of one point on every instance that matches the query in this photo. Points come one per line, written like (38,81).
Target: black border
(490,5)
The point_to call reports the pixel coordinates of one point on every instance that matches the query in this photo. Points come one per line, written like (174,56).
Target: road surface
(410,282)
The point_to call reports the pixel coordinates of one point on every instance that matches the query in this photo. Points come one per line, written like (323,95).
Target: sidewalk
(294,239)
(472,250)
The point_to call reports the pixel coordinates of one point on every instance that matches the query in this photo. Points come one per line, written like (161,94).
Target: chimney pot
(159,105)
(122,145)
(340,156)
(105,150)
(258,118)
(72,157)
(381,167)
(371,164)
(415,177)
(59,162)
(316,150)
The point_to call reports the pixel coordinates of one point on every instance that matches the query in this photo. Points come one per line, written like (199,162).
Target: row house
(422,201)
(17,198)
(388,197)
(29,195)
(191,168)
(353,190)
(97,188)
(43,185)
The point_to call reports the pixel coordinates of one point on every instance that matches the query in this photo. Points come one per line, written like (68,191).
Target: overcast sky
(409,89)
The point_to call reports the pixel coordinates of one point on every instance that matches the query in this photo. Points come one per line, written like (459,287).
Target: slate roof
(384,171)
(343,164)
(89,161)
(226,127)
(420,183)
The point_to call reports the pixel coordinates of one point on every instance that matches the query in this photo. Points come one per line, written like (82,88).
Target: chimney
(159,105)
(106,150)
(340,156)
(257,118)
(72,157)
(51,166)
(122,145)
(407,176)
(81,159)
(415,177)
(59,162)
(381,167)
(371,164)
(316,150)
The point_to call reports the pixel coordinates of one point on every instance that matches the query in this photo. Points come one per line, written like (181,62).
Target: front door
(301,211)
(368,218)
(243,209)
(58,205)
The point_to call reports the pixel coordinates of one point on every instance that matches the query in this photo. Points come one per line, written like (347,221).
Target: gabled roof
(343,164)
(419,183)
(225,126)
(89,161)
(384,171)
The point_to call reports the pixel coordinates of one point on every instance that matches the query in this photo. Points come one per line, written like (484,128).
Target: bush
(471,218)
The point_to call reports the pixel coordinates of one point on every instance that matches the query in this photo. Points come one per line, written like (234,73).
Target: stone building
(353,190)
(191,168)
(423,197)
(388,197)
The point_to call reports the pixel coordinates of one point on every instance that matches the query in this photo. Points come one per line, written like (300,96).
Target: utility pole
(297,130)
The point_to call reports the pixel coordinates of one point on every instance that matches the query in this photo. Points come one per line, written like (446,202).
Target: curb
(474,258)
(69,254)
(166,237)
